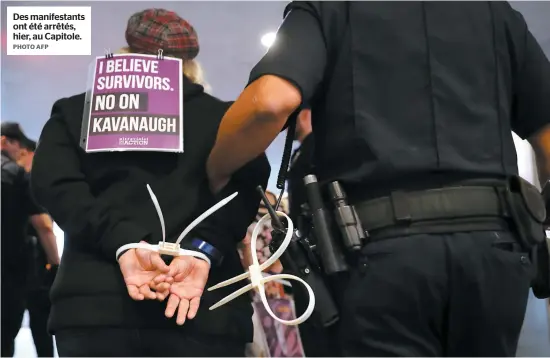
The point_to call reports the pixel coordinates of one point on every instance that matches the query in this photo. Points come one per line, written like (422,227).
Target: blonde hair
(192,69)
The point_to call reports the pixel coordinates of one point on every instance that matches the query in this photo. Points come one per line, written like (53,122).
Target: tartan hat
(154,29)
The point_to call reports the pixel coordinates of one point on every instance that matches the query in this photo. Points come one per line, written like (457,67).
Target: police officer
(411,101)
(41,273)
(17,207)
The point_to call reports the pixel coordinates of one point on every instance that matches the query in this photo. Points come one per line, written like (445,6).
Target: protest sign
(136,104)
(282,340)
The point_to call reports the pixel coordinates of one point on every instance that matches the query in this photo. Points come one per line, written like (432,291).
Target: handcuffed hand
(189,279)
(148,277)
(139,267)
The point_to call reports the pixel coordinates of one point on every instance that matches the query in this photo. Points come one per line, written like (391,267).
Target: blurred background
(233,37)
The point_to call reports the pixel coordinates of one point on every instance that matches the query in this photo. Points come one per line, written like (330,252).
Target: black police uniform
(316,340)
(301,164)
(407,97)
(40,281)
(17,206)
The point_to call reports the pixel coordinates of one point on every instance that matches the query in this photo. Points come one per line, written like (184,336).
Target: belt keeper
(400,206)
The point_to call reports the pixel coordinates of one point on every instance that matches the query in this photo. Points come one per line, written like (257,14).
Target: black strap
(432,205)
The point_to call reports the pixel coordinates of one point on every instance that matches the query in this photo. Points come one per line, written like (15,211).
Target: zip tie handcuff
(255,271)
(171,248)
(258,280)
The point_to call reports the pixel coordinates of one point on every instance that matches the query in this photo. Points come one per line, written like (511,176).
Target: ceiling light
(268,39)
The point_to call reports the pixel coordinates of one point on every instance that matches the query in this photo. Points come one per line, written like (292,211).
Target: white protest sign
(49,30)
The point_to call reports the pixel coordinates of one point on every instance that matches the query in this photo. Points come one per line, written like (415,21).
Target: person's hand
(54,261)
(140,267)
(190,275)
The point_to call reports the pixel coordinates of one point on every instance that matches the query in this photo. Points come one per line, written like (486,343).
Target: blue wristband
(214,254)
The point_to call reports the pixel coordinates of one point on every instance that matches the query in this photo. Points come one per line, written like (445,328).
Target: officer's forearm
(247,129)
(43,225)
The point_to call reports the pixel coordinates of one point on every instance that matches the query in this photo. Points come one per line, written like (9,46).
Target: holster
(541,283)
(527,210)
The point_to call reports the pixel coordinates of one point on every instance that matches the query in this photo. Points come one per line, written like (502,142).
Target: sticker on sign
(49,30)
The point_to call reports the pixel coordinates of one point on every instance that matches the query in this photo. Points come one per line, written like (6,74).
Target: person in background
(17,207)
(41,274)
(105,307)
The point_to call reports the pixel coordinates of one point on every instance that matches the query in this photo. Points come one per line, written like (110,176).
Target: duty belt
(461,202)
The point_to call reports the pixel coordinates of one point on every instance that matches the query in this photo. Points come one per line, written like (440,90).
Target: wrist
(215,255)
(125,255)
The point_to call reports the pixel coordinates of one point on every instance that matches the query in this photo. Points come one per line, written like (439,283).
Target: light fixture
(268,39)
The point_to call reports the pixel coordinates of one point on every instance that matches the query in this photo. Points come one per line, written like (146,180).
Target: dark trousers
(461,294)
(38,305)
(13,309)
(319,341)
(122,342)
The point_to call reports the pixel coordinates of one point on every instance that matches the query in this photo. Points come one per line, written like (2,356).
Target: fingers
(134,293)
(151,260)
(180,267)
(184,308)
(145,290)
(182,312)
(171,306)
(162,290)
(158,262)
(193,307)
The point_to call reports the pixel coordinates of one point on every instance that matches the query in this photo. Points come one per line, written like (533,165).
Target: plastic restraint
(258,279)
(255,272)
(170,248)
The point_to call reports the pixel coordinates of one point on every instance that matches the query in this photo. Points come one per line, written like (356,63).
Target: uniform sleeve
(299,52)
(60,186)
(33,207)
(225,228)
(532,90)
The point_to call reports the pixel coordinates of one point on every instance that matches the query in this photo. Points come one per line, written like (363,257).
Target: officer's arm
(233,219)
(287,75)
(60,186)
(43,225)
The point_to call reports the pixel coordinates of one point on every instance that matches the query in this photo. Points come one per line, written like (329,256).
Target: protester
(101,202)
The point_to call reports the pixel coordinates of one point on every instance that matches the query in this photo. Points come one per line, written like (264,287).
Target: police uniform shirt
(407,93)
(17,206)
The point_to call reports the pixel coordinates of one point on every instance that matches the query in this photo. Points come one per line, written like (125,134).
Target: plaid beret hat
(154,29)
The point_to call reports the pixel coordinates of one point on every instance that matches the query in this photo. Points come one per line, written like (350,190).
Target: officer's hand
(139,267)
(190,275)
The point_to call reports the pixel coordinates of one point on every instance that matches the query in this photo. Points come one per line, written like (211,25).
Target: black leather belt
(459,202)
